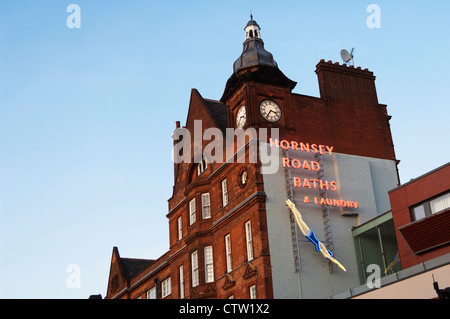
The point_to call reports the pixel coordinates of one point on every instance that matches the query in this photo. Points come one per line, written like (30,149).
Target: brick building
(231,233)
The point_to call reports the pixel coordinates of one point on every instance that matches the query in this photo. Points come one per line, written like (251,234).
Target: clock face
(241,117)
(270,110)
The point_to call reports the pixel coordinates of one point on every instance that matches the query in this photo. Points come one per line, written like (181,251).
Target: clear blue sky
(86,114)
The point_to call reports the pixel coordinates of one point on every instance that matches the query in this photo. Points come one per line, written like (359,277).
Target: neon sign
(304,147)
(313,166)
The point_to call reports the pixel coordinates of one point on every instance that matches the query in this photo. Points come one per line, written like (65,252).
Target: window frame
(228,259)
(192,211)
(224,192)
(181,279)
(195,278)
(249,240)
(206,207)
(427,207)
(202,166)
(180,227)
(151,293)
(208,257)
(252,291)
(166,287)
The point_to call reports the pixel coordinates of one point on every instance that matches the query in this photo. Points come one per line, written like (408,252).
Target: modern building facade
(418,228)
(231,233)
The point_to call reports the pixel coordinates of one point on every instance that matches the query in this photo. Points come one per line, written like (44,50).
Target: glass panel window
(194,266)
(439,204)
(202,166)
(180,228)
(430,207)
(228,252)
(377,245)
(224,193)
(418,212)
(248,239)
(151,294)
(252,291)
(165,287)
(206,209)
(192,216)
(181,272)
(209,266)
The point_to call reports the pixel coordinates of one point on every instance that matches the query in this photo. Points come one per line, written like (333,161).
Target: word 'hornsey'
(300,146)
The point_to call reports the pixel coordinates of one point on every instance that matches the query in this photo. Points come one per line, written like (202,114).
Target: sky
(86,114)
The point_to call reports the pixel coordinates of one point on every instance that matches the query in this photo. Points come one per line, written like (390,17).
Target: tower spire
(253,53)
(252,29)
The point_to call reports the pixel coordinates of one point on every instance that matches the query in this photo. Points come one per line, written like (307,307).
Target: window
(192,216)
(165,287)
(202,166)
(228,252)
(248,240)
(151,294)
(430,207)
(181,272)
(376,243)
(209,266)
(418,212)
(206,209)
(224,193)
(194,267)
(180,228)
(439,204)
(252,291)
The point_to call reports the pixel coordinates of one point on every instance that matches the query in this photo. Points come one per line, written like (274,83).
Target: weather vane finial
(251,15)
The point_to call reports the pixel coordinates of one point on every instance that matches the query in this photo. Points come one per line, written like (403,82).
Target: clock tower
(257,93)
(231,232)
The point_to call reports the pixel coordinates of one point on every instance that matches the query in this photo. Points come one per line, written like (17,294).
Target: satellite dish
(346,56)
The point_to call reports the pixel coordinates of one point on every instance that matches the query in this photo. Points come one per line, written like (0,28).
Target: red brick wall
(347,115)
(410,194)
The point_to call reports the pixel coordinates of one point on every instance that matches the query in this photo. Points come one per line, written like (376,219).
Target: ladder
(328,242)
(292,222)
